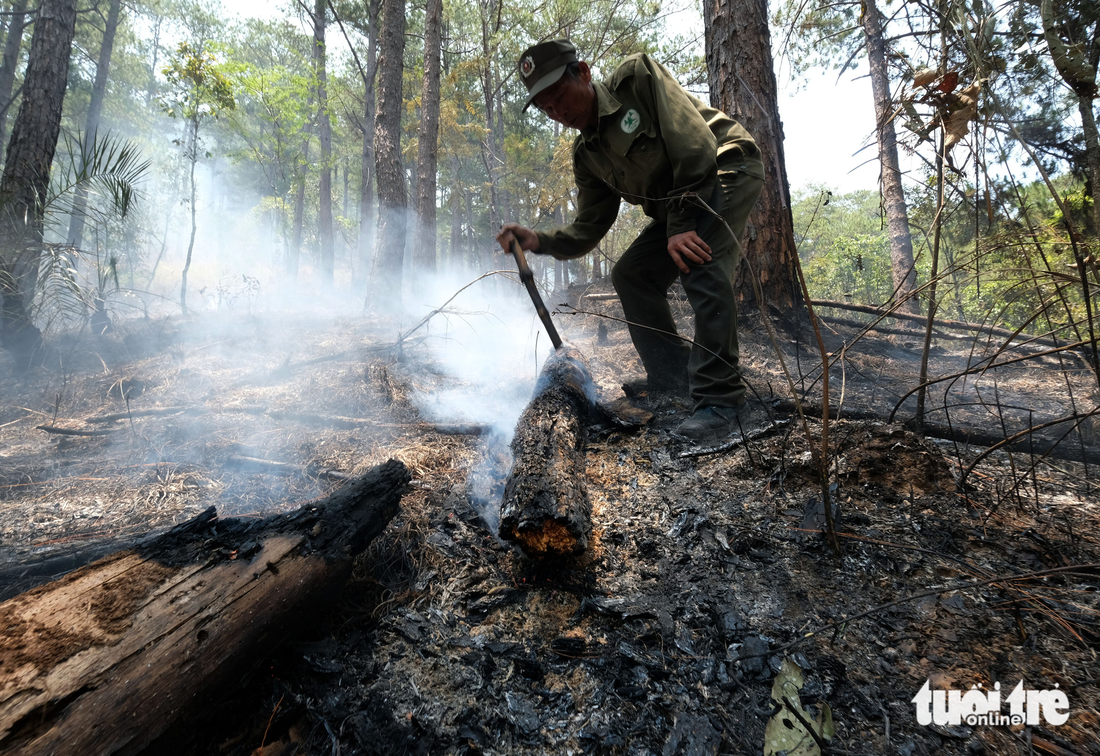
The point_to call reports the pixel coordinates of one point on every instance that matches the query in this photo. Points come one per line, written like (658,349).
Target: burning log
(546,511)
(104,660)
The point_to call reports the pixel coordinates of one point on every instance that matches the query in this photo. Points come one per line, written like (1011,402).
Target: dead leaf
(962,109)
(925,76)
(785,734)
(950,81)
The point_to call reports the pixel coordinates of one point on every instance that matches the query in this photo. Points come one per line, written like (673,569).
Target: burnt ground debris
(665,638)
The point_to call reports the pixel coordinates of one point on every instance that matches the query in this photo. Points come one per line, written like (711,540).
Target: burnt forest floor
(667,636)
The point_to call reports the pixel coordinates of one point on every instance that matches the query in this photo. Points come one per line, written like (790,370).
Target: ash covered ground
(702,579)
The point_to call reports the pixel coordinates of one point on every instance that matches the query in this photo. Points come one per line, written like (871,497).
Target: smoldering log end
(546,511)
(549,539)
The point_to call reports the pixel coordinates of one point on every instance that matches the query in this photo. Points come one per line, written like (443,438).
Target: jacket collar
(606,104)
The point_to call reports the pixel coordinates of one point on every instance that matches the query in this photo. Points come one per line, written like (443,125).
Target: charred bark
(107,658)
(546,511)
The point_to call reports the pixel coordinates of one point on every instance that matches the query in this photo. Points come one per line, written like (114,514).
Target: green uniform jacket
(653,143)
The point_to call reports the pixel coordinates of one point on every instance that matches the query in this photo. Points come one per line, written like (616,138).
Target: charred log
(105,659)
(546,511)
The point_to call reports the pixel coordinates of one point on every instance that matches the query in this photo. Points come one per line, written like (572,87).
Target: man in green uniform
(646,140)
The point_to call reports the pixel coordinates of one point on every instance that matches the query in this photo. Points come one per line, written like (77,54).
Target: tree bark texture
(324,136)
(1092,157)
(392,200)
(366,173)
(492,144)
(91,125)
(742,84)
(105,659)
(12,44)
(546,511)
(25,182)
(424,254)
(897,215)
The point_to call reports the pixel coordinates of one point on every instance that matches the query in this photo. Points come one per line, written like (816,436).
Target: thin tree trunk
(152,89)
(12,44)
(324,134)
(490,146)
(194,224)
(299,217)
(366,176)
(392,200)
(897,215)
(91,126)
(455,252)
(742,84)
(427,150)
(1092,158)
(25,182)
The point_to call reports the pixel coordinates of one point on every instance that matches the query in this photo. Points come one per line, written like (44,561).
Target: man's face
(570,102)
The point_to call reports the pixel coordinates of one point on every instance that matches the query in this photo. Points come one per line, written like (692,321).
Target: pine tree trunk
(427,149)
(12,44)
(392,200)
(91,126)
(742,84)
(324,135)
(897,215)
(366,175)
(490,145)
(25,182)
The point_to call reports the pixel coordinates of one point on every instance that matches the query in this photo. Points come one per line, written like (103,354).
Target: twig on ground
(806,724)
(71,432)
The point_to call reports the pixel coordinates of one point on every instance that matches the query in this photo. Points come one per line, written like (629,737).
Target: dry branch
(546,511)
(105,659)
(71,432)
(957,325)
(1025,441)
(255,464)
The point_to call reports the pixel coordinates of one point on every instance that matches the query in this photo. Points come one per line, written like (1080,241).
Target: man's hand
(527,239)
(688,246)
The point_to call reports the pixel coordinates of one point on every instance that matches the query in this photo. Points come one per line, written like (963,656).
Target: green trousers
(643,275)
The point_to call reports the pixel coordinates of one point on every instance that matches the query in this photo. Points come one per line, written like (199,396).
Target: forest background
(344,154)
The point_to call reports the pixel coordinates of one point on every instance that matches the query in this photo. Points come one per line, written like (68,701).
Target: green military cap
(543,64)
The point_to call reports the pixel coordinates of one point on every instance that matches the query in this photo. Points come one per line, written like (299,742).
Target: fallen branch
(1020,442)
(255,464)
(150,412)
(71,432)
(957,325)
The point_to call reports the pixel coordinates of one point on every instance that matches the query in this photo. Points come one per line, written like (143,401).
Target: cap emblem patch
(527,66)
(631,121)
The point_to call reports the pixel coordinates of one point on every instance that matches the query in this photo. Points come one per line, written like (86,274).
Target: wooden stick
(528,279)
